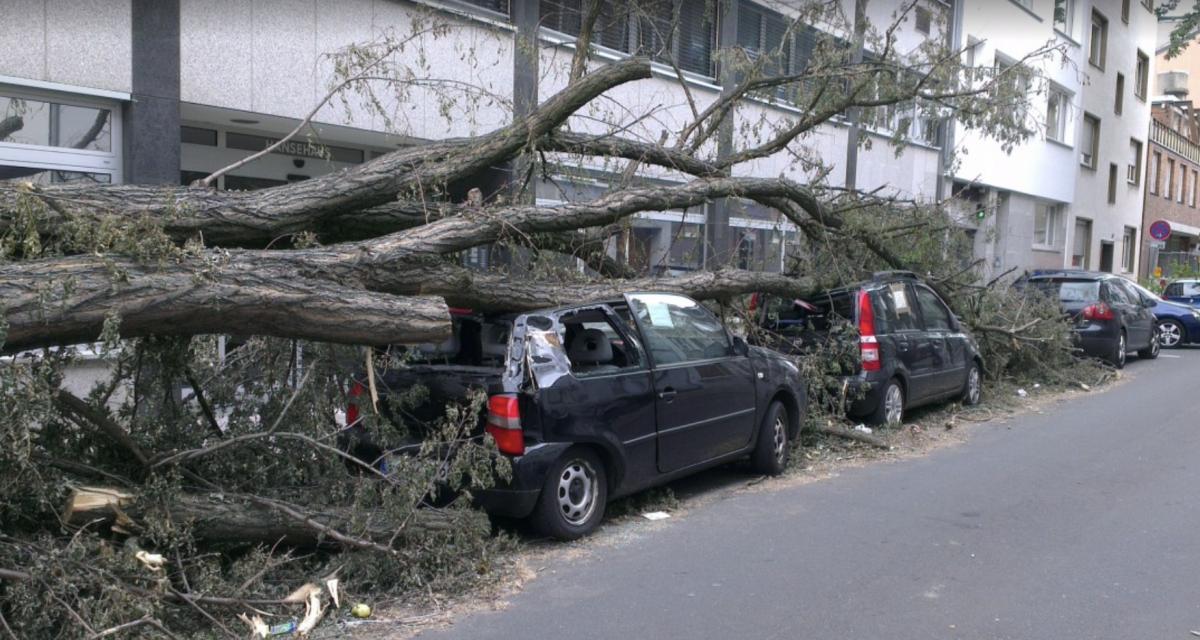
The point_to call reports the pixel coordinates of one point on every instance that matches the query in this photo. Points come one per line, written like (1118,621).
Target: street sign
(1160,230)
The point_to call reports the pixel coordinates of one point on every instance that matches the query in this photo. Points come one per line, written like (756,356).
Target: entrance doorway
(1081,252)
(1106,256)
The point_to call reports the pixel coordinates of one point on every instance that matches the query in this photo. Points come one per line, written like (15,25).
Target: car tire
(890,411)
(770,455)
(1171,334)
(973,387)
(573,496)
(1151,350)
(1120,352)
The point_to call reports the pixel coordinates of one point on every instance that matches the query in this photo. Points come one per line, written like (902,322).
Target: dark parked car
(1185,291)
(912,349)
(601,400)
(1178,323)
(1111,317)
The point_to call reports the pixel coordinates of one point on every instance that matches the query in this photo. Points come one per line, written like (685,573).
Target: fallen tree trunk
(229,519)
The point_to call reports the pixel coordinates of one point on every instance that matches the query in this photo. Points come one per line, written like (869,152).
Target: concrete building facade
(1071,195)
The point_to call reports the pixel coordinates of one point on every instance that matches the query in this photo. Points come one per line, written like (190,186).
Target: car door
(1135,318)
(1141,316)
(906,331)
(705,402)
(948,369)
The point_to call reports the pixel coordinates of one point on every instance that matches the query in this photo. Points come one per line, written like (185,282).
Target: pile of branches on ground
(192,486)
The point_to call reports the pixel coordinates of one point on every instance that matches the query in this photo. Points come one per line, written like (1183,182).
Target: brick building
(1172,177)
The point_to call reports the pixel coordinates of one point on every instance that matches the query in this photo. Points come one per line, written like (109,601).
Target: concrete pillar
(151,146)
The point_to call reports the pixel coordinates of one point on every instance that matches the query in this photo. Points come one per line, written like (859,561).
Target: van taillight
(356,390)
(504,423)
(868,344)
(1098,311)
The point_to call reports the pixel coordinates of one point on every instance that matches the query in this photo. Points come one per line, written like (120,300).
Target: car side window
(898,307)
(594,346)
(1135,298)
(1173,290)
(937,316)
(1117,293)
(677,329)
(1191,288)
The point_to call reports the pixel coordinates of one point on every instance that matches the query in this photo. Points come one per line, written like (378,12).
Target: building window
(1133,174)
(1142,77)
(1064,16)
(923,18)
(1128,249)
(1192,189)
(679,31)
(54,124)
(1170,186)
(1125,11)
(1155,168)
(763,32)
(1112,183)
(1149,4)
(1089,145)
(499,6)
(1057,113)
(1047,220)
(1183,171)
(1098,44)
(1119,99)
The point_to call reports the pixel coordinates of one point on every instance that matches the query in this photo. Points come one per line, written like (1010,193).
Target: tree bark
(239,218)
(230,520)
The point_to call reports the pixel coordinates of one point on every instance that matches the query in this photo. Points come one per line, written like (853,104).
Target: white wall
(269,56)
(1109,220)
(49,41)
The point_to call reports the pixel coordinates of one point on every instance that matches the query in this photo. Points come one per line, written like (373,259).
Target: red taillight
(504,424)
(1098,311)
(356,390)
(867,343)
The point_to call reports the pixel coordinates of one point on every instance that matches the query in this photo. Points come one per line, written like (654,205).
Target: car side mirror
(740,348)
(955,323)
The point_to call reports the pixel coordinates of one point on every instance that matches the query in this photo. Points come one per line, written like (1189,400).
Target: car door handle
(667,394)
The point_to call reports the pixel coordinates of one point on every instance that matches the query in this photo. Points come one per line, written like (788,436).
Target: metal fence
(1178,263)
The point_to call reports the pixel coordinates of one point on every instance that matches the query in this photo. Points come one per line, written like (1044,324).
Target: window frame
(1125,11)
(1063,116)
(1133,173)
(1091,123)
(1128,249)
(1141,80)
(1113,173)
(1068,22)
(1098,20)
(1051,219)
(1119,98)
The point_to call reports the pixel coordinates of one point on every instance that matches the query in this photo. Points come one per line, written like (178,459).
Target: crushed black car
(601,400)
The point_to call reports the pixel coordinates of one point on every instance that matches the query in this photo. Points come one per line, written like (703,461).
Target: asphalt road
(1082,522)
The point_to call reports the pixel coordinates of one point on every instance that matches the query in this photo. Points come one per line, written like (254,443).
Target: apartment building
(165,91)
(1072,195)
(1172,174)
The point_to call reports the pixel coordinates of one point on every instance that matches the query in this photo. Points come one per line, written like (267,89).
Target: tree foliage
(301,276)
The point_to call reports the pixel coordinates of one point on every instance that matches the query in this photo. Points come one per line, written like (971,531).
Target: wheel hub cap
(577,492)
(1168,334)
(973,385)
(894,405)
(780,435)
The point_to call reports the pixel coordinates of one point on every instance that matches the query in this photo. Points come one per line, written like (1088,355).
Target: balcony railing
(1174,141)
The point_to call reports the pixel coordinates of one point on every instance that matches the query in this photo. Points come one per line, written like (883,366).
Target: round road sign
(1160,230)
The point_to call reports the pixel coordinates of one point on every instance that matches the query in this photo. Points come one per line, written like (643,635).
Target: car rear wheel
(973,389)
(770,455)
(573,497)
(1152,349)
(1171,334)
(1120,351)
(890,411)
